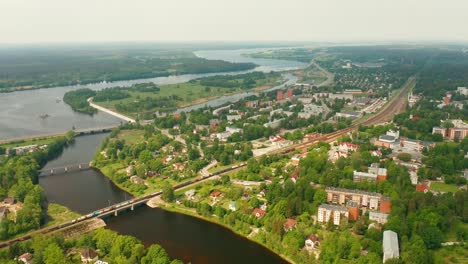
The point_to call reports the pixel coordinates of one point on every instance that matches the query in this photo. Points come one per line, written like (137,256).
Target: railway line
(396,105)
(113,209)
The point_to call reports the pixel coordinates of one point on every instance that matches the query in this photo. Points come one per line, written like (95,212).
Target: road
(396,105)
(330,76)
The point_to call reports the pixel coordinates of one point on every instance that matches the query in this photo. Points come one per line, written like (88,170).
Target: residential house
(422,187)
(26,258)
(136,180)
(312,242)
(232,206)
(259,213)
(215,195)
(88,255)
(289,224)
(190,194)
(347,147)
(129,170)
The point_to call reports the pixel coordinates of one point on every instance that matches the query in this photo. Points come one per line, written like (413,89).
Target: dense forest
(43,67)
(19,179)
(109,245)
(245,81)
(78,100)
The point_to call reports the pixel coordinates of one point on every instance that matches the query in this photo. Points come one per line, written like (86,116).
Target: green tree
(167,192)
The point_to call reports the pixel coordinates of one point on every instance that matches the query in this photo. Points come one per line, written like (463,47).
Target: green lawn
(443,187)
(57,214)
(132,136)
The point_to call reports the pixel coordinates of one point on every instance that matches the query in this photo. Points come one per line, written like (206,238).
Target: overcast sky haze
(30,21)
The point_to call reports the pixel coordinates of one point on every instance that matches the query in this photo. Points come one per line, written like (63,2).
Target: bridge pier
(131,208)
(115,213)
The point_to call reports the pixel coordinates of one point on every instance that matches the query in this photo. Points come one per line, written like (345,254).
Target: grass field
(59,214)
(39,141)
(132,136)
(189,93)
(443,187)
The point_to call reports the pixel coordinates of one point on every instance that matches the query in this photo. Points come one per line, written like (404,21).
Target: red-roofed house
(289,224)
(422,187)
(376,153)
(26,258)
(346,147)
(215,194)
(259,213)
(294,177)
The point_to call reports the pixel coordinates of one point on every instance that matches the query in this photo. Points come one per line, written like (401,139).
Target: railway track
(396,105)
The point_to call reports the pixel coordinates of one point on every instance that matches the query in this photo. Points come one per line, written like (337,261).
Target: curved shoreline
(183,211)
(211,221)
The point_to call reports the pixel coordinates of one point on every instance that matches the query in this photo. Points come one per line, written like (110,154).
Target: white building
(390,245)
(463,91)
(380,218)
(326,211)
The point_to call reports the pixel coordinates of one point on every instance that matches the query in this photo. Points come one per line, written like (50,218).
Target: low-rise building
(390,246)
(88,255)
(347,147)
(462,91)
(289,224)
(233,206)
(312,242)
(26,258)
(259,213)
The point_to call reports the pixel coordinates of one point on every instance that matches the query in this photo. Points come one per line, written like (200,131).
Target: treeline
(445,72)
(77,100)
(244,81)
(19,179)
(59,68)
(110,94)
(109,245)
(142,105)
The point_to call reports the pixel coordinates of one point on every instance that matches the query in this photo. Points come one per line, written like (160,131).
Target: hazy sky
(234,20)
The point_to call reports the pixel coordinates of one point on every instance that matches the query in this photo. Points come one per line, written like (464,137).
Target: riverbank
(181,210)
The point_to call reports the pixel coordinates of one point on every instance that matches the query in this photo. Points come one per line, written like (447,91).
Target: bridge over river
(65,169)
(113,210)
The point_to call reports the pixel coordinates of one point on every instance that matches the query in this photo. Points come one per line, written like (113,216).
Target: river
(184,237)
(20,111)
